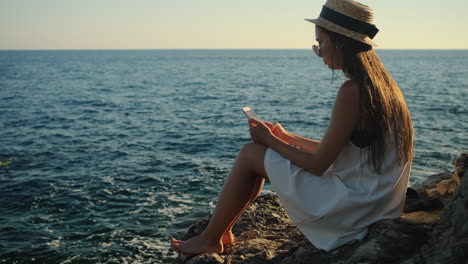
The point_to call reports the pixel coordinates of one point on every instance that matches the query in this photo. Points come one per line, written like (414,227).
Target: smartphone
(250,113)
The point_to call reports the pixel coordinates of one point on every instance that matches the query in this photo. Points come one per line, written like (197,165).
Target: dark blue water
(114,152)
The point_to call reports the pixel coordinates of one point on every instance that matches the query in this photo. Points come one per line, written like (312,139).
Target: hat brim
(341,30)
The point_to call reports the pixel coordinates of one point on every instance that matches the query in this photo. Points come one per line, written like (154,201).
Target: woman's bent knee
(254,154)
(253,150)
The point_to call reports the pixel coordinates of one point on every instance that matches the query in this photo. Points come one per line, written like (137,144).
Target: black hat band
(349,22)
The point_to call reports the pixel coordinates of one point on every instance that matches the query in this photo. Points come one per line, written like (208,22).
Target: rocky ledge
(432,229)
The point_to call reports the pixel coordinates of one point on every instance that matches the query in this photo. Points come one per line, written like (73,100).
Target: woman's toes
(175,243)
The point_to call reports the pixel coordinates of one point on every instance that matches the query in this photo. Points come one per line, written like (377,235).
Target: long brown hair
(383,110)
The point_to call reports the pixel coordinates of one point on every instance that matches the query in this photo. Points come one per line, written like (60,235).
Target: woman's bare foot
(228,238)
(196,245)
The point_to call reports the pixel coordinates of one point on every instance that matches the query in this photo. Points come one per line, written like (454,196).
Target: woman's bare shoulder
(350,87)
(349,93)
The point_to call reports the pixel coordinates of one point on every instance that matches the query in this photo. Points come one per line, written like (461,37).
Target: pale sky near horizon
(217,24)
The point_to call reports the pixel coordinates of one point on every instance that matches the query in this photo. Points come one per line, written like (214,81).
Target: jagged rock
(461,165)
(206,258)
(449,239)
(432,229)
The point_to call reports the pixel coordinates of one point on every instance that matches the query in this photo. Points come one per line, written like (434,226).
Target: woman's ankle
(228,238)
(209,238)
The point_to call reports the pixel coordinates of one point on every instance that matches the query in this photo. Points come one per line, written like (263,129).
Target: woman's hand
(263,131)
(278,130)
(260,131)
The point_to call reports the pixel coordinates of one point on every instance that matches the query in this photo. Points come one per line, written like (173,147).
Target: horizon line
(206,49)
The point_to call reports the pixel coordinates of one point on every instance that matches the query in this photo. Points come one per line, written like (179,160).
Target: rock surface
(432,229)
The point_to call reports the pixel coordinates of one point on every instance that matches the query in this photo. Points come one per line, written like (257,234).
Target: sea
(107,154)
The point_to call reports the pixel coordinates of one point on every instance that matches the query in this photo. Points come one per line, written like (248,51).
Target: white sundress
(337,207)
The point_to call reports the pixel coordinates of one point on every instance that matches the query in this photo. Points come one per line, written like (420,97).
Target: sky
(217,24)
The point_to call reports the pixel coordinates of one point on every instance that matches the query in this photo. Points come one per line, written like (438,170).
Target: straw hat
(348,18)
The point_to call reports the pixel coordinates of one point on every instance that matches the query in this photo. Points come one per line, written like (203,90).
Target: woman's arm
(293,139)
(344,118)
(304,143)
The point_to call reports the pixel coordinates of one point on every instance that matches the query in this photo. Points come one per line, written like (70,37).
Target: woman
(357,174)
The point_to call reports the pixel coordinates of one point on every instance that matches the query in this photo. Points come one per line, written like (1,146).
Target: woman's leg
(228,236)
(241,186)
